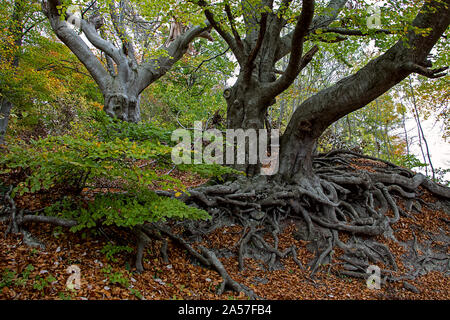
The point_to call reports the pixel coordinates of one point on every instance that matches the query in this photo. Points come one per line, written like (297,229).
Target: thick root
(339,199)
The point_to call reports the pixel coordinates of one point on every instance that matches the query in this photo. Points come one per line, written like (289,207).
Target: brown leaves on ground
(181,279)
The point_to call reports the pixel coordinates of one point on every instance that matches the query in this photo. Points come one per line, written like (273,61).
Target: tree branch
(100,43)
(377,77)
(296,61)
(249,66)
(155,68)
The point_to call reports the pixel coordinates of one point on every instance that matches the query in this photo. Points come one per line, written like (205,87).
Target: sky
(439,148)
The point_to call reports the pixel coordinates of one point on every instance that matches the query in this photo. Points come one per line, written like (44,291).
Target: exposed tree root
(337,199)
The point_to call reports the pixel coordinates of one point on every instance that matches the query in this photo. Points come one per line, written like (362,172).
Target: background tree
(263,46)
(124,39)
(327,194)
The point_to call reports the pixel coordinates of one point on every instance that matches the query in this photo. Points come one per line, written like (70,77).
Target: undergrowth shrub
(103,148)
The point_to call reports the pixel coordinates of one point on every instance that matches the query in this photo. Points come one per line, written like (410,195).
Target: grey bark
(16,29)
(123,79)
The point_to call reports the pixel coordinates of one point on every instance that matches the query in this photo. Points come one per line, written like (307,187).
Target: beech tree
(262,46)
(323,192)
(15,30)
(127,70)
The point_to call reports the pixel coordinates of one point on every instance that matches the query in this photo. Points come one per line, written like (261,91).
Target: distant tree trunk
(404,129)
(420,130)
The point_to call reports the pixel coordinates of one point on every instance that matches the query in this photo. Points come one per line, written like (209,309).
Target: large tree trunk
(246,111)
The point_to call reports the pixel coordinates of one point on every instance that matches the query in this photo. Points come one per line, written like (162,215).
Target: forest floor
(33,273)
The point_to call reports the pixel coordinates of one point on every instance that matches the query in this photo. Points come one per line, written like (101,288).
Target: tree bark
(5,111)
(16,30)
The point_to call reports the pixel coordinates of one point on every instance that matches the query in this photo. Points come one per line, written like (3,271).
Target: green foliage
(136,293)
(210,170)
(110,250)
(64,296)
(116,277)
(109,129)
(8,277)
(410,161)
(120,278)
(193,89)
(100,148)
